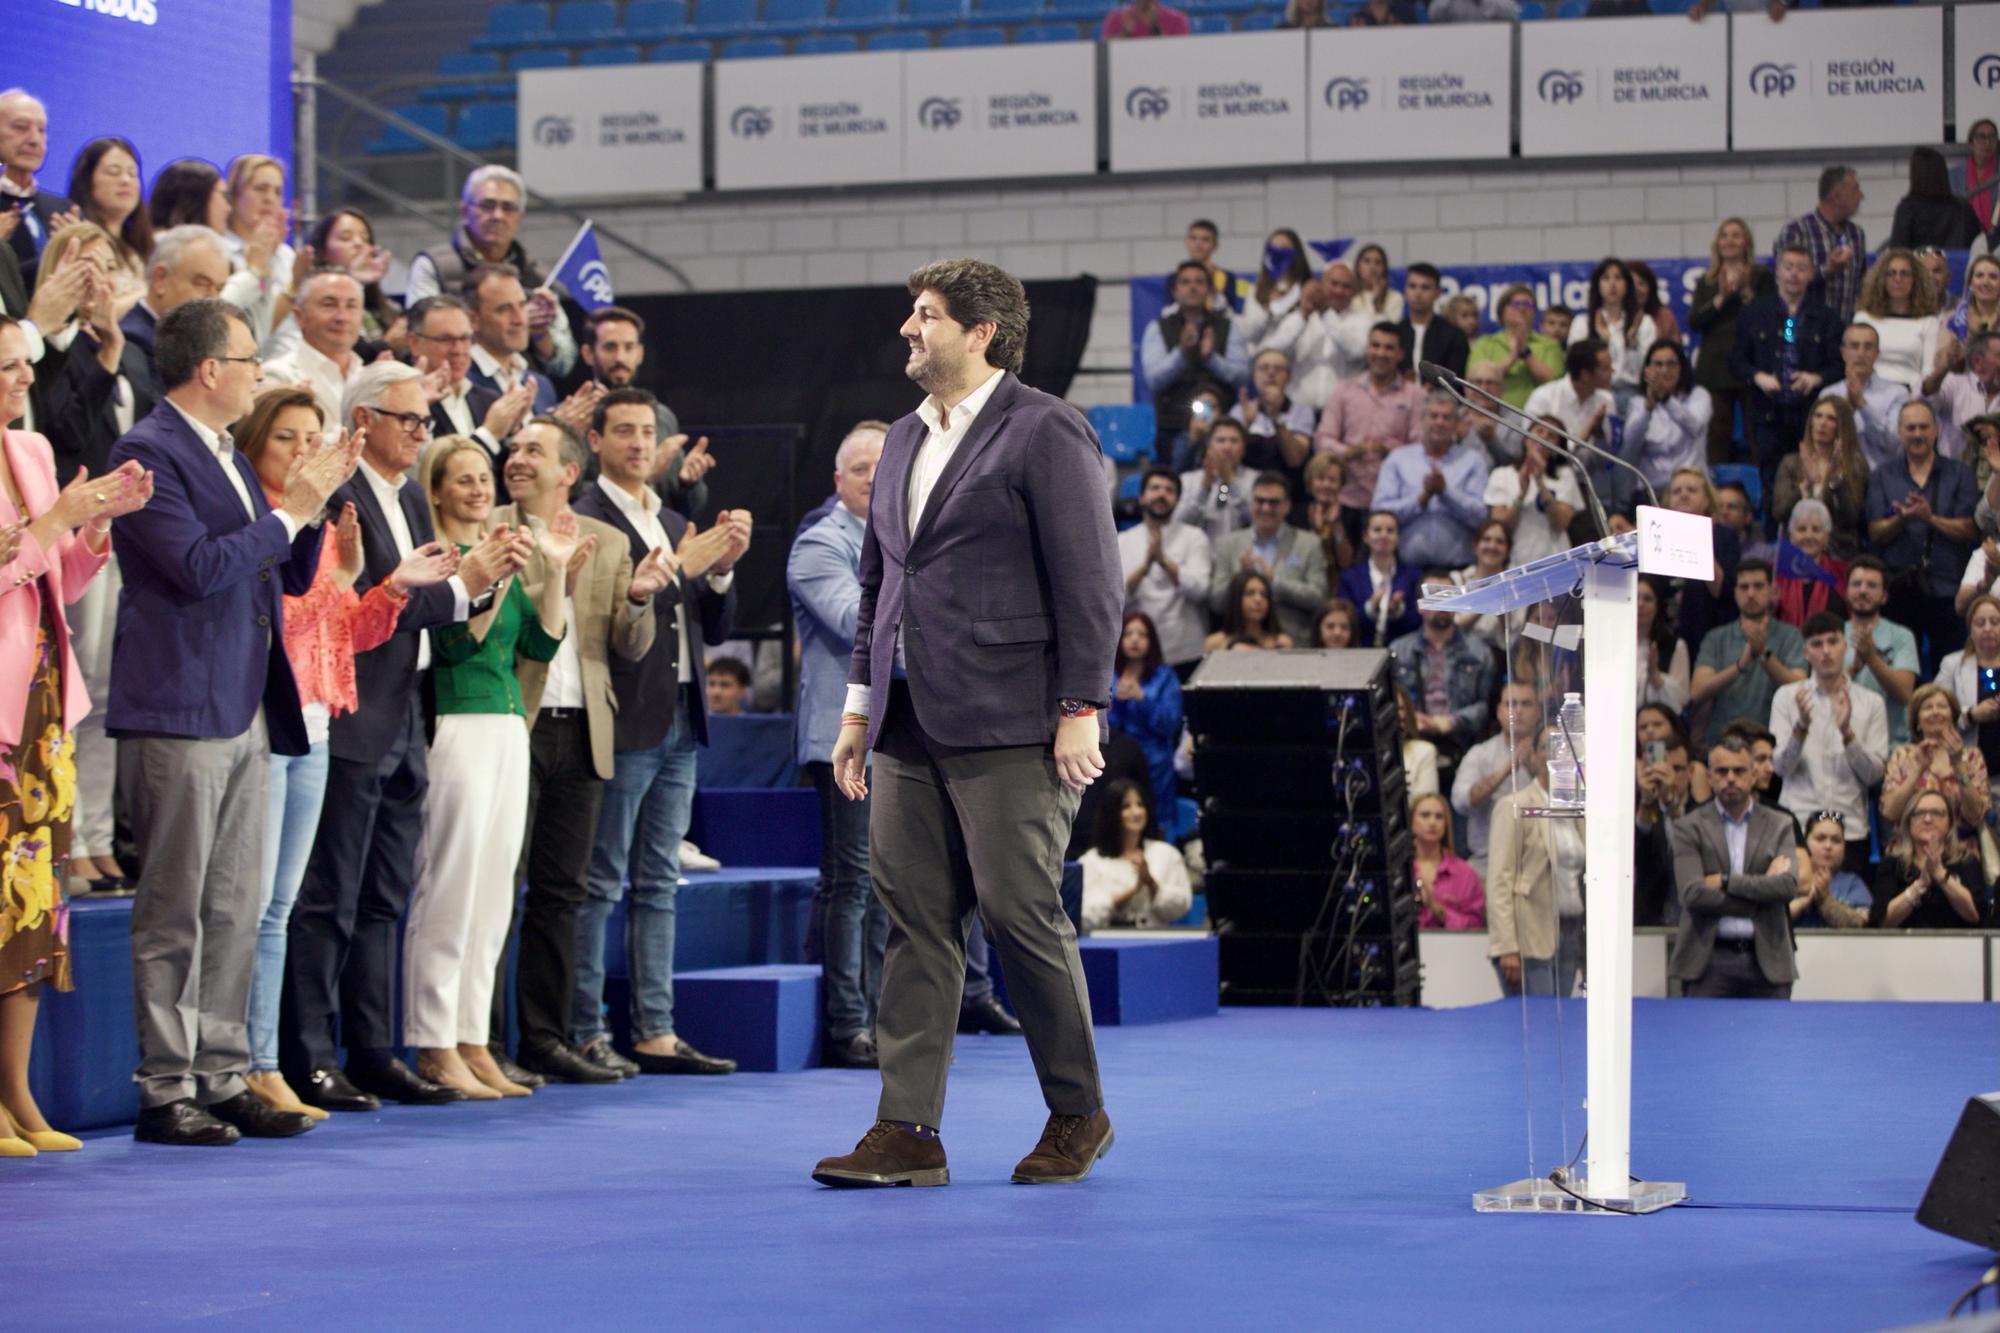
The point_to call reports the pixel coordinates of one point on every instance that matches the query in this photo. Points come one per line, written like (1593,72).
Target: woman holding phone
(1973,676)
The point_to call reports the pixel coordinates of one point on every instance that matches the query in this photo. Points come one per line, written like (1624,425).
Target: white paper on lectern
(1676,545)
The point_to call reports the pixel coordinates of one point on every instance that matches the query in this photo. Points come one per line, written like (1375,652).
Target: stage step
(1149,977)
(765,1018)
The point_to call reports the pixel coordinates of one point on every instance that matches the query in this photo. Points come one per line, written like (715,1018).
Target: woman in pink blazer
(52,543)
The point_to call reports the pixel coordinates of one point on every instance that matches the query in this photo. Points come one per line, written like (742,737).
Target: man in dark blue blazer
(187,262)
(1383,588)
(661,718)
(24,146)
(201,694)
(499,309)
(983,650)
(341,949)
(1787,345)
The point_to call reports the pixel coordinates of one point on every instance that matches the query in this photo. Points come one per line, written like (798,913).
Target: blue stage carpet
(1274,1169)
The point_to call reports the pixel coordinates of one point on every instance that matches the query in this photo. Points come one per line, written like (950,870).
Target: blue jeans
(1551,976)
(850,924)
(647,805)
(298,783)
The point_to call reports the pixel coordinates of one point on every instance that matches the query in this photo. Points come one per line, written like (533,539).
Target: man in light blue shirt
(1436,488)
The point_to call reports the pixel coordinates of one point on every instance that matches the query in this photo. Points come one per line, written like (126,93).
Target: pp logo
(1144,103)
(555,131)
(1986,71)
(1773,80)
(939,113)
(750,122)
(1558,86)
(596,280)
(1345,94)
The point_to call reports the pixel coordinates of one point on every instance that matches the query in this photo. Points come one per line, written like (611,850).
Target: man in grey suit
(1734,860)
(983,647)
(1290,558)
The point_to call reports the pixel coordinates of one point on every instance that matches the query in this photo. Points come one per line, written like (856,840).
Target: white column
(1610,695)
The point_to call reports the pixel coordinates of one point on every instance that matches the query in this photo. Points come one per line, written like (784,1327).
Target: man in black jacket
(1787,346)
(1428,336)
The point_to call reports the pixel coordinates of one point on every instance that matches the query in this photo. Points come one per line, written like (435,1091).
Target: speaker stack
(1964,1195)
(1298,764)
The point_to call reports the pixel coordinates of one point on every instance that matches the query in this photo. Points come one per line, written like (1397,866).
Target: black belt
(1738,946)
(566,714)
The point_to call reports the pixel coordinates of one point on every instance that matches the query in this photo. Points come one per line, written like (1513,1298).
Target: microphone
(1586,445)
(1438,376)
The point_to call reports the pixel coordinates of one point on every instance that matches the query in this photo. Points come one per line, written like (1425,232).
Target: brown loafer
(888,1154)
(1070,1146)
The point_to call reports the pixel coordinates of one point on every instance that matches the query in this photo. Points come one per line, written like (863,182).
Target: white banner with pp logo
(808,120)
(1826,79)
(1592,86)
(618,130)
(1976,34)
(1407,94)
(1000,111)
(1232,100)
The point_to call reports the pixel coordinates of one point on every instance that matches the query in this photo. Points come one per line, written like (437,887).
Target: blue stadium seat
(680,53)
(511,26)
(1126,430)
(1572,9)
(553,59)
(752,48)
(1744,475)
(582,22)
(611,55)
(898,41)
(436,119)
(1129,485)
(963,37)
(1202,24)
(1670,6)
(1532,9)
(862,15)
(484,126)
(462,67)
(792,17)
(1047,32)
(1009,11)
(723,17)
(827,44)
(1088,12)
(934,13)
(654,20)
(1261,22)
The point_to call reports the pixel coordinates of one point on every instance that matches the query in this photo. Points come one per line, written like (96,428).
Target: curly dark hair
(976,292)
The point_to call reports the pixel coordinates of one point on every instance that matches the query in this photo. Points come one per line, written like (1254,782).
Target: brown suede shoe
(1070,1146)
(888,1154)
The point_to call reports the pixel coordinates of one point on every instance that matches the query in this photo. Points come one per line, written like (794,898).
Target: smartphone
(1989,682)
(1202,408)
(1656,752)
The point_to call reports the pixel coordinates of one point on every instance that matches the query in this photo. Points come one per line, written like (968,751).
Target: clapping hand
(700,552)
(437,379)
(317,473)
(428,564)
(698,461)
(1843,711)
(1915,507)
(577,409)
(738,525)
(347,544)
(1803,697)
(503,418)
(653,573)
(487,562)
(87,500)
(370,266)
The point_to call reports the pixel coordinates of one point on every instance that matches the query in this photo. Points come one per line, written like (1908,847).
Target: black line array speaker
(1964,1196)
(1298,764)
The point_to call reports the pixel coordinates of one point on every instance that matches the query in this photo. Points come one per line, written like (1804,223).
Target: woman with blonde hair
(1318,510)
(1930,878)
(1371,277)
(1733,280)
(1448,888)
(1899,303)
(1937,759)
(268,270)
(1827,467)
(1979,310)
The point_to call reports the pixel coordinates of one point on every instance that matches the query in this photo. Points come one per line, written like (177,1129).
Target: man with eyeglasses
(493,205)
(1787,346)
(1833,738)
(1290,559)
(441,346)
(1736,868)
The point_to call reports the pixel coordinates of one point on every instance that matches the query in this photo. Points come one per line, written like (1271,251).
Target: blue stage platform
(1275,1169)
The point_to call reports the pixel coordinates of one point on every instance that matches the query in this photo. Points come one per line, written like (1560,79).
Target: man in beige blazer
(570,706)
(1534,895)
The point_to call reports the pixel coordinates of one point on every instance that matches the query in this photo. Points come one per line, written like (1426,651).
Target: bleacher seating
(1264,22)
(1047,32)
(654,20)
(1203,24)
(1009,11)
(626,54)
(461,68)
(582,22)
(723,18)
(827,44)
(752,48)
(934,13)
(861,15)
(511,27)
(485,126)
(1126,430)
(393,139)
(961,37)
(899,41)
(680,53)
(792,18)
(538,59)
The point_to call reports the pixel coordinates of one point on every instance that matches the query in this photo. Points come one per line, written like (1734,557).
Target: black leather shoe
(258,1121)
(563,1065)
(397,1082)
(514,1073)
(855,1052)
(329,1090)
(183,1124)
(685,1060)
(600,1052)
(988,1015)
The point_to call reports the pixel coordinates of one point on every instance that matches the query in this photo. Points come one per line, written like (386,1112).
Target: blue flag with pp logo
(582,273)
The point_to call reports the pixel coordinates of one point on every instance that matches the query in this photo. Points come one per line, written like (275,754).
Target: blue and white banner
(1976,35)
(581,270)
(1235,100)
(1001,111)
(1839,79)
(605,132)
(1408,94)
(1598,86)
(808,120)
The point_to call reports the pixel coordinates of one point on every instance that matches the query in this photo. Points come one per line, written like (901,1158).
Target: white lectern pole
(1610,687)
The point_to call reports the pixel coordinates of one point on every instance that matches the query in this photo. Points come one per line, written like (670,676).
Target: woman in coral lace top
(323,631)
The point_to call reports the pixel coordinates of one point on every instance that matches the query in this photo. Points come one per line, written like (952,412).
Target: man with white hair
(188,262)
(493,204)
(27,212)
(340,965)
(328,309)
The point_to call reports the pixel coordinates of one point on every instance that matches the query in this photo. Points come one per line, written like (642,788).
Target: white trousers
(474,820)
(93,624)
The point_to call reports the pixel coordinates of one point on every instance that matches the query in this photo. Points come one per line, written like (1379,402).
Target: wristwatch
(481,604)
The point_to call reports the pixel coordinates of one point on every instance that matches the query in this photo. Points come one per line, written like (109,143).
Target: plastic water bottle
(1566,754)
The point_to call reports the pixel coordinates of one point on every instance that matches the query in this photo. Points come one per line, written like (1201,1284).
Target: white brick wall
(1115,229)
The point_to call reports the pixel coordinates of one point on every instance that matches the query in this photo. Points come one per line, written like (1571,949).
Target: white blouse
(1628,357)
(1909,347)
(1104,878)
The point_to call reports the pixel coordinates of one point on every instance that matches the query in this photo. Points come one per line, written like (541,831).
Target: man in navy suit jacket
(1395,614)
(201,694)
(983,650)
(499,308)
(661,718)
(24,146)
(340,955)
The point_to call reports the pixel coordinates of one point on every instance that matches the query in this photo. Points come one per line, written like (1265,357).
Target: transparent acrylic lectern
(1604,578)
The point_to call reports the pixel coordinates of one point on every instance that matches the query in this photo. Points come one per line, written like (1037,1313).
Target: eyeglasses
(448,339)
(413,423)
(245,360)
(496,206)
(1268,501)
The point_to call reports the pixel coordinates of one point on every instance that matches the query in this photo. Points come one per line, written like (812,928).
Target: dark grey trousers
(949,829)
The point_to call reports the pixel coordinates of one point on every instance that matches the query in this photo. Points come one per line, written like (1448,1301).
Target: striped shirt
(1837,290)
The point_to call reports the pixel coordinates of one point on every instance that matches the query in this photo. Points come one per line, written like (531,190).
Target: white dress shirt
(1820,773)
(457,406)
(1558,399)
(643,512)
(506,374)
(386,490)
(1175,606)
(308,366)
(1735,836)
(223,447)
(564,686)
